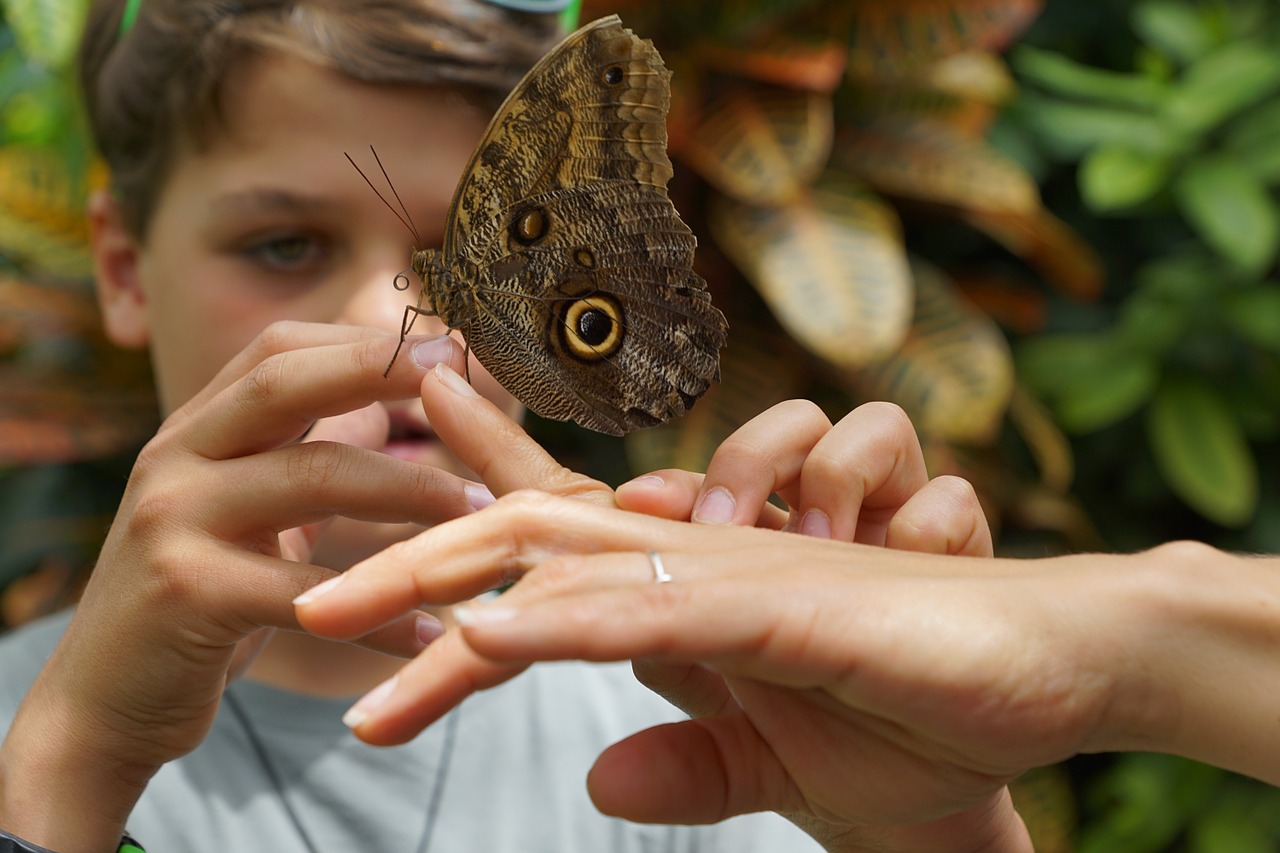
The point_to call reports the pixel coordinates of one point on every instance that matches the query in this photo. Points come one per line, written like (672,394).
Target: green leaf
(1220,85)
(1202,452)
(1231,210)
(1175,28)
(1254,141)
(1223,829)
(1091,381)
(1072,130)
(1065,76)
(1255,315)
(47,30)
(1114,177)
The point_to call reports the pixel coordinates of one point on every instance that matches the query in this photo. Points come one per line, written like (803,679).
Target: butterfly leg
(411,313)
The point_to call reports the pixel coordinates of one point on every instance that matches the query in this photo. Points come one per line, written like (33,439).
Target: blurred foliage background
(1046,228)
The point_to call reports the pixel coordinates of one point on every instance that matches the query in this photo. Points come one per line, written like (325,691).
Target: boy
(286,456)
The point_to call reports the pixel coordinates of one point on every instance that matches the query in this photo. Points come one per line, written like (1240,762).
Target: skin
(262,289)
(880,699)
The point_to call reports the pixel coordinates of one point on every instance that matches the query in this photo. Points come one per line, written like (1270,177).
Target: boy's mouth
(409,438)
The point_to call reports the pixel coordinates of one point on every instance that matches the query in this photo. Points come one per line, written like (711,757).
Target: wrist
(1200,663)
(56,790)
(993,826)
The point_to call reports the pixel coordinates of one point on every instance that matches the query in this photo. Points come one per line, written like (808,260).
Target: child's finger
(277,400)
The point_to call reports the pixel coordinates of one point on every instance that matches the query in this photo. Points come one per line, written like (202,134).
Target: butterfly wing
(594,108)
(577,270)
(601,320)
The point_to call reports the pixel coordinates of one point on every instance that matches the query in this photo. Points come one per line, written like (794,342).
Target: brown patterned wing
(594,108)
(587,307)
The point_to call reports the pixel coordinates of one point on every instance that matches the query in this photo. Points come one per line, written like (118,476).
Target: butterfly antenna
(404,218)
(387,177)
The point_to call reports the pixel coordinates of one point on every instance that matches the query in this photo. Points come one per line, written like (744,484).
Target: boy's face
(272,223)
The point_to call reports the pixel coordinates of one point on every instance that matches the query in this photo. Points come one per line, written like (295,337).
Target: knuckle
(275,339)
(804,412)
(262,383)
(959,491)
(314,465)
(892,416)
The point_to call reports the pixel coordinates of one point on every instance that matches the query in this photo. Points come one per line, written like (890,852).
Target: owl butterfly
(564,263)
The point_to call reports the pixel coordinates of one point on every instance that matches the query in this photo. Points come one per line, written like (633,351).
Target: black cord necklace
(237,708)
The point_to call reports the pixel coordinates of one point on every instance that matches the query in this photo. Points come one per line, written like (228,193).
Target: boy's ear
(115,264)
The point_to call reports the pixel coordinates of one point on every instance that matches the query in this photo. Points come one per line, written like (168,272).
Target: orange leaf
(782,61)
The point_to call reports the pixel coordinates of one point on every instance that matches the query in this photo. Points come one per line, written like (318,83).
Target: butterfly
(564,263)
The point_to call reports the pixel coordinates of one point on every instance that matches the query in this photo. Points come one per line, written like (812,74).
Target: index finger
(498,449)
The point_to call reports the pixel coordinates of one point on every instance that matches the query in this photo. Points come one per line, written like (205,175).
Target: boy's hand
(207,550)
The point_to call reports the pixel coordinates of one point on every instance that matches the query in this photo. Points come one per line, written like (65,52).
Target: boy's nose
(380,301)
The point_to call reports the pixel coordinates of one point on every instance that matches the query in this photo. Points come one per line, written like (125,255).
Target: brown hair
(158,85)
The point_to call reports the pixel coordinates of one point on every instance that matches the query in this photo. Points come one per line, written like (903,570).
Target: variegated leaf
(891,39)
(782,61)
(928,161)
(830,265)
(763,147)
(1047,243)
(954,372)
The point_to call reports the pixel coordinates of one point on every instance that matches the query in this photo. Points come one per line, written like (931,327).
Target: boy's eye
(288,252)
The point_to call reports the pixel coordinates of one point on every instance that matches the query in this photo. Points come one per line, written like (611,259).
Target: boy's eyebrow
(270,201)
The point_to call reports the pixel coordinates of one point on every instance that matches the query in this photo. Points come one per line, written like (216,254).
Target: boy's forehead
(274,92)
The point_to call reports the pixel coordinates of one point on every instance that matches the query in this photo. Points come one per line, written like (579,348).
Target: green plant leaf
(1090,380)
(1065,76)
(1231,210)
(1202,452)
(1113,177)
(1070,131)
(1221,84)
(1254,141)
(47,30)
(1175,28)
(1255,314)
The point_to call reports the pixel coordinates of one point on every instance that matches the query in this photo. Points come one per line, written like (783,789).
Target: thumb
(691,772)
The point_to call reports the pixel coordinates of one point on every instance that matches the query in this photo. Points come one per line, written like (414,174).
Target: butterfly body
(565,265)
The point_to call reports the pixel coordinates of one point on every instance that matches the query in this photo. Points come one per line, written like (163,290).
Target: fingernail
(646,480)
(815,523)
(429,352)
(478,496)
(468,616)
(715,507)
(317,591)
(429,629)
(369,703)
(453,381)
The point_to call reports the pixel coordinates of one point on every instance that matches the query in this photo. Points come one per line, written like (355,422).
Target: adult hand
(775,730)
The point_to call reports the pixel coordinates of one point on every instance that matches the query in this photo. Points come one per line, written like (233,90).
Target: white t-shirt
(504,773)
